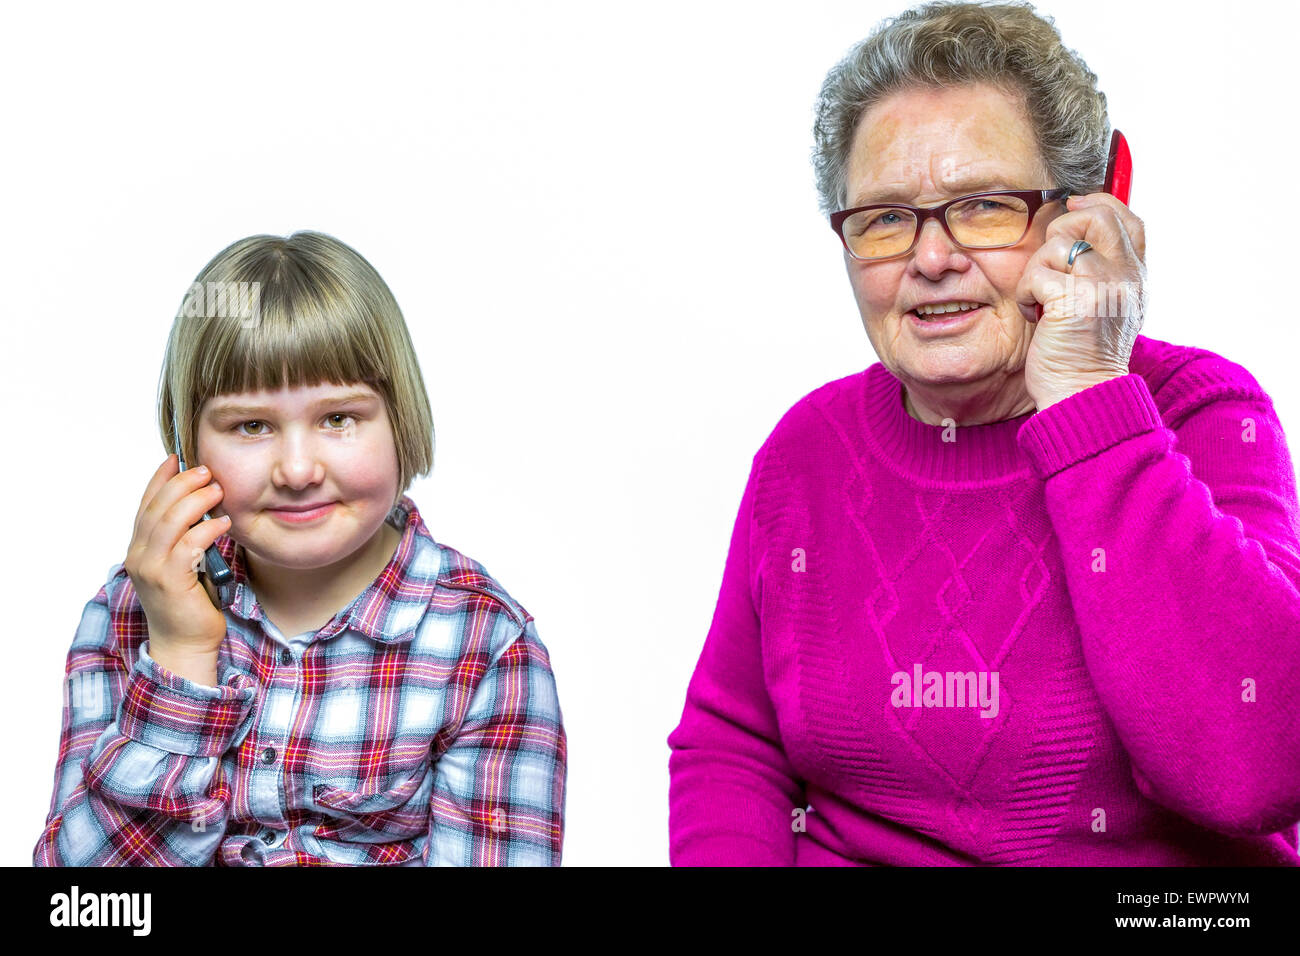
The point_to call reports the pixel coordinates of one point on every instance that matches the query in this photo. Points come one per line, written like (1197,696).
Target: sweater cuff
(178,715)
(1088,423)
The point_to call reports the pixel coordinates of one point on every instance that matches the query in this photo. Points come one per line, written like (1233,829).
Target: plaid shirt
(419,727)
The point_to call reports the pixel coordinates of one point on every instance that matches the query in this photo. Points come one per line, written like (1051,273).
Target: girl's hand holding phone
(185,627)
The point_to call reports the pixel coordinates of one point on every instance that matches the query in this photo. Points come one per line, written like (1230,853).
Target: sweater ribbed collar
(974,454)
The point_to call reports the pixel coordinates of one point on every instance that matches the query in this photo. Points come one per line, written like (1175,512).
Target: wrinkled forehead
(920,146)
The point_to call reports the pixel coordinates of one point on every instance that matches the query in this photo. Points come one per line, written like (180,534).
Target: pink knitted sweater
(1068,638)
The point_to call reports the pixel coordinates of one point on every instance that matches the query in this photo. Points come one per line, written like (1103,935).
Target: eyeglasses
(979,221)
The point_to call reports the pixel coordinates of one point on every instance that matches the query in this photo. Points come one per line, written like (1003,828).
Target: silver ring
(1080,246)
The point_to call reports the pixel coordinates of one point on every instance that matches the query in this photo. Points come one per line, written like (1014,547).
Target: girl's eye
(262,425)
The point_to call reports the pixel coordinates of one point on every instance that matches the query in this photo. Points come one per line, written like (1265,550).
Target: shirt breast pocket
(381,810)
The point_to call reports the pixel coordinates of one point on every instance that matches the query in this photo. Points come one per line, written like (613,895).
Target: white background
(601,225)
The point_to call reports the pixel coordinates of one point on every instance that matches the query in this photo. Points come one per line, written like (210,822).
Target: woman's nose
(934,248)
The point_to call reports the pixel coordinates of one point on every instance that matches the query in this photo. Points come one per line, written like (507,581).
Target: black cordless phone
(218,571)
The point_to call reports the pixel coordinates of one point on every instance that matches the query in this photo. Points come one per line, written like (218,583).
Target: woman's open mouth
(945,321)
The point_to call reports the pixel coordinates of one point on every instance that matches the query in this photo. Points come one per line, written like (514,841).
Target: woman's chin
(936,369)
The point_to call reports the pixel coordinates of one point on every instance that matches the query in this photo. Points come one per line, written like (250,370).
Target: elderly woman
(1027,590)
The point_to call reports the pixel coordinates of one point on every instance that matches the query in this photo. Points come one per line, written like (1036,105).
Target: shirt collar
(388,611)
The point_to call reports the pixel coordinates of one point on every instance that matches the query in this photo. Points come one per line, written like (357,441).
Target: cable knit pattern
(1125,565)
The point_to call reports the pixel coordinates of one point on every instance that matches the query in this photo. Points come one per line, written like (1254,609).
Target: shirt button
(286,657)
(268,755)
(268,838)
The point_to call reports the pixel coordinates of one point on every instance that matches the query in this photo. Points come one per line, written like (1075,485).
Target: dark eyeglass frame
(1034,199)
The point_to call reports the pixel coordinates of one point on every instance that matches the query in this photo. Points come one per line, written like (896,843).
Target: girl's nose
(298,466)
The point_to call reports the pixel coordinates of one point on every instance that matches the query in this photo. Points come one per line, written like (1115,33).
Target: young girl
(358,693)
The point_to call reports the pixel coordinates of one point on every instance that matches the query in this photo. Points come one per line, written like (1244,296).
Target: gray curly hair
(939,44)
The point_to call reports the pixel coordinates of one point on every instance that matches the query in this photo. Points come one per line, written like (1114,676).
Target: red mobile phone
(1119,168)
(1119,177)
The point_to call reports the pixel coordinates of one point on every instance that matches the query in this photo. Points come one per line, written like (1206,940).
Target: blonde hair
(269,312)
(941,44)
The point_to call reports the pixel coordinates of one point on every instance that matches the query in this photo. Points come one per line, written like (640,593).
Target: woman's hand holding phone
(185,627)
(1097,309)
